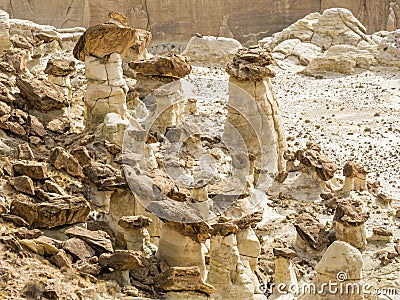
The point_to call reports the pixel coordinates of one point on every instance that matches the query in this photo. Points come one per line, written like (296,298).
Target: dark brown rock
(88,266)
(82,155)
(41,93)
(105,39)
(382,231)
(167,65)
(134,222)
(224,229)
(78,248)
(12,243)
(249,220)
(36,126)
(60,211)
(61,260)
(198,232)
(284,252)
(60,67)
(311,231)
(351,169)
(183,279)
(18,58)
(61,159)
(35,170)
(120,260)
(251,64)
(21,42)
(24,233)
(104,176)
(98,240)
(13,127)
(16,220)
(350,212)
(23,184)
(313,157)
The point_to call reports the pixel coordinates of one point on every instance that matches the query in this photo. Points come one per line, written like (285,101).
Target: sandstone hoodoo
(200,150)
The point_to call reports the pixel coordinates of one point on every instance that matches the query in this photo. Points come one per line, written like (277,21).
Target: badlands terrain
(222,172)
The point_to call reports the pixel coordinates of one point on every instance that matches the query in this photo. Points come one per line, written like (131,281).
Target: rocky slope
(233,18)
(130,176)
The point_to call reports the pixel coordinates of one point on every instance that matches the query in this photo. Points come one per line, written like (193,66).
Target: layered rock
(165,104)
(258,120)
(135,233)
(349,222)
(102,48)
(59,72)
(355,177)
(227,272)
(211,51)
(285,274)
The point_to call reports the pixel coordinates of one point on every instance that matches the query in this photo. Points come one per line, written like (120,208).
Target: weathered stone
(356,177)
(98,240)
(41,93)
(60,67)
(251,64)
(210,50)
(81,153)
(36,126)
(349,222)
(61,159)
(340,262)
(120,260)
(78,248)
(284,252)
(60,211)
(59,125)
(25,152)
(310,233)
(167,65)
(61,259)
(104,39)
(183,279)
(88,266)
(249,220)
(104,176)
(134,222)
(34,170)
(24,233)
(315,159)
(23,184)
(17,58)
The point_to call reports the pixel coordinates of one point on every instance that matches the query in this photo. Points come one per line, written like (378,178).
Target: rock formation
(59,72)
(258,121)
(211,51)
(166,105)
(342,265)
(101,48)
(349,222)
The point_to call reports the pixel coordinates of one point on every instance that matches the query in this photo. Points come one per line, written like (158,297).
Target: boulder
(78,248)
(120,260)
(167,65)
(61,159)
(105,39)
(211,50)
(59,211)
(23,184)
(32,169)
(41,93)
(60,67)
(98,240)
(311,234)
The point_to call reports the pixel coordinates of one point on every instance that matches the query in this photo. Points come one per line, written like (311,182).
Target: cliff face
(178,20)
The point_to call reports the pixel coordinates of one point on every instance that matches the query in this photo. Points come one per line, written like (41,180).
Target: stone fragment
(355,177)
(60,67)
(98,240)
(88,266)
(17,58)
(104,176)
(36,126)
(349,222)
(61,159)
(167,65)
(312,236)
(61,260)
(78,248)
(59,125)
(23,184)
(41,93)
(34,170)
(120,260)
(24,233)
(81,153)
(25,152)
(183,279)
(57,212)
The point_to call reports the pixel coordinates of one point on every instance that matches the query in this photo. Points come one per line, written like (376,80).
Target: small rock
(120,260)
(61,260)
(25,152)
(23,184)
(61,159)
(59,125)
(35,170)
(78,248)
(98,240)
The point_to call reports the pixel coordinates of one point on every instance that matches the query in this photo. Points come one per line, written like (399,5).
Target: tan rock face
(221,18)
